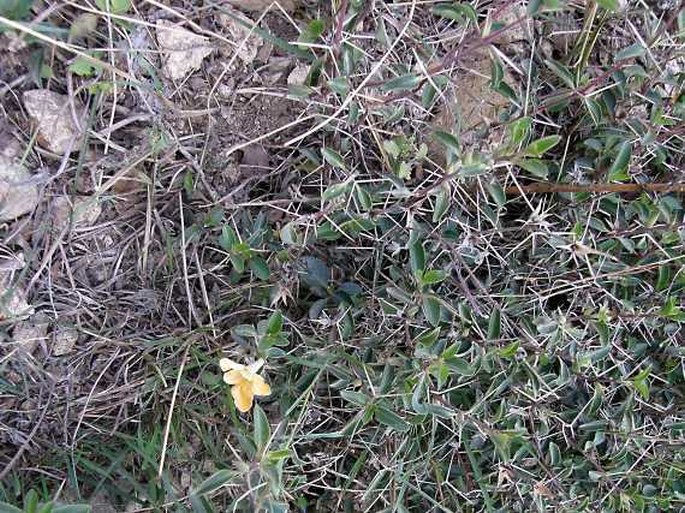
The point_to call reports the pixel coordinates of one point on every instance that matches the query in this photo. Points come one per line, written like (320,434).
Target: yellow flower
(245,382)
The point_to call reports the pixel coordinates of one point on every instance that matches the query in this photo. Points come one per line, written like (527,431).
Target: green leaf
(238,262)
(664,278)
(392,148)
(312,32)
(271,506)
(642,387)
(259,267)
(390,419)
(72,508)
(262,429)
(381,34)
(671,310)
(494,325)
(244,331)
(533,7)
(316,273)
(404,171)
(496,74)
(353,397)
(594,475)
(274,457)
(399,294)
(420,391)
(437,411)
(428,95)
(47,507)
(643,374)
(473,168)
(619,169)
(496,193)
(15,10)
(449,140)
(364,198)
(31,501)
(83,67)
(536,167)
(8,508)
(442,203)
(288,234)
(200,504)
(541,146)
(554,454)
(635,50)
(431,309)
(594,108)
(402,83)
(333,158)
(228,238)
(428,337)
(335,190)
(459,365)
(114,6)
(339,85)
(214,482)
(188,180)
(456,12)
(509,351)
(518,130)
(275,323)
(432,276)
(609,5)
(562,72)
(594,356)
(417,257)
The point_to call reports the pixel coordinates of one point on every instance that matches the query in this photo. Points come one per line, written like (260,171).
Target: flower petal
(254,367)
(259,386)
(233,377)
(227,364)
(242,396)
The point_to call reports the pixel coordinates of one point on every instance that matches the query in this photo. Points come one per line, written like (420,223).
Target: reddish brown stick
(546,188)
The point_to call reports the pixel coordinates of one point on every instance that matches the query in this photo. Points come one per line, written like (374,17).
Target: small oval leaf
(541,146)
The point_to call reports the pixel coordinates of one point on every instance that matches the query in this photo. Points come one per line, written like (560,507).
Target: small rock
(247,42)
(84,25)
(276,71)
(10,147)
(133,181)
(101,504)
(52,114)
(18,196)
(64,340)
(516,24)
(255,159)
(185,479)
(182,50)
(27,334)
(13,262)
(259,6)
(298,76)
(16,42)
(267,48)
(81,211)
(13,303)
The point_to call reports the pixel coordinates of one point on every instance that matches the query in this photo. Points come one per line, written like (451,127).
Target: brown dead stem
(550,188)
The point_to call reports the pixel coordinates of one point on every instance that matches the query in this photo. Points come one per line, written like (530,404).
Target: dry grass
(470,219)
